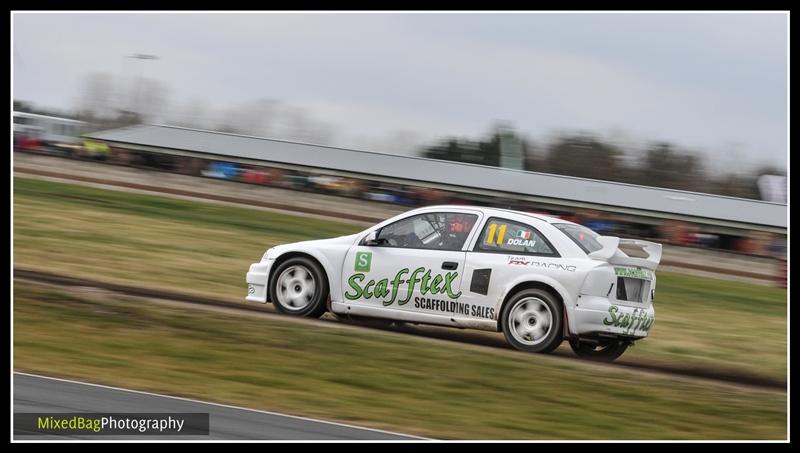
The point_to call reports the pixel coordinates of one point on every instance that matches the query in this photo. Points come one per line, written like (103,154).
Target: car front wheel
(299,288)
(532,321)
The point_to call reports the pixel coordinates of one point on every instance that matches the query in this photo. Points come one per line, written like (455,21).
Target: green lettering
(636,320)
(412,282)
(612,310)
(396,286)
(353,282)
(435,284)
(367,292)
(380,288)
(449,278)
(424,285)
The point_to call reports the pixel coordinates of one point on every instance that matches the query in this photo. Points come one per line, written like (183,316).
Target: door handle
(449,265)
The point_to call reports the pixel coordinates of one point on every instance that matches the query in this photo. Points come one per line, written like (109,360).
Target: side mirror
(371,239)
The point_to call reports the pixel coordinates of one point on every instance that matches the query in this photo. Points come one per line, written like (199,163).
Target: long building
(52,130)
(726,215)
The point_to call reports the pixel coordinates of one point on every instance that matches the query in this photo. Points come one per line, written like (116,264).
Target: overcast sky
(714,83)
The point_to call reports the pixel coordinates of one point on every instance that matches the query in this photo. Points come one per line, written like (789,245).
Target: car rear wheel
(532,321)
(606,351)
(299,288)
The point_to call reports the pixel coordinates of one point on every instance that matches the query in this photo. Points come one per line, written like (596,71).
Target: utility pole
(137,89)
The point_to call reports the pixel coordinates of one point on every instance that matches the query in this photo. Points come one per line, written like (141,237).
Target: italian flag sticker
(523,234)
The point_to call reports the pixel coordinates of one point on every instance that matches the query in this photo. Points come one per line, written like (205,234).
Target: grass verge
(206,248)
(381,380)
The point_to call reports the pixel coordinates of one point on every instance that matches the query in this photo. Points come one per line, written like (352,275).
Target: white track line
(297,417)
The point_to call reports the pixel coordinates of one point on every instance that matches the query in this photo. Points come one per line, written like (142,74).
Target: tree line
(586,155)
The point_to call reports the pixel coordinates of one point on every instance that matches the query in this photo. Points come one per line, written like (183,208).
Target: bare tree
(257,117)
(402,142)
(152,99)
(95,99)
(192,114)
(226,120)
(584,155)
(666,166)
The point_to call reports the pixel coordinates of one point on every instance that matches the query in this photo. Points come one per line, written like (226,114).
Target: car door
(414,264)
(504,250)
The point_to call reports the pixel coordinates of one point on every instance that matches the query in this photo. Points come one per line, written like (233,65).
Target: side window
(505,236)
(436,231)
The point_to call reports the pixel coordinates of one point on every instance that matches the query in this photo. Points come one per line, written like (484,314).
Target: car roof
(500,212)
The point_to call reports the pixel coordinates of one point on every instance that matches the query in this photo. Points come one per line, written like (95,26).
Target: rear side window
(505,236)
(584,237)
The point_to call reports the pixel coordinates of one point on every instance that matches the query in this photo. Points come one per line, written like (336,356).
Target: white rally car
(537,279)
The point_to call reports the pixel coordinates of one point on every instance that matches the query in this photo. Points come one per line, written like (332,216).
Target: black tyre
(532,321)
(606,351)
(299,287)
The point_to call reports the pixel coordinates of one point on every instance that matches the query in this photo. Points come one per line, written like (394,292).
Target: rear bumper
(598,316)
(257,281)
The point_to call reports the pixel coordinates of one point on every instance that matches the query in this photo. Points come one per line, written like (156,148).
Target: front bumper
(257,281)
(599,316)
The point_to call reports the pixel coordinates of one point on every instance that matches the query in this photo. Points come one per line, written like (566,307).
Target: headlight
(268,255)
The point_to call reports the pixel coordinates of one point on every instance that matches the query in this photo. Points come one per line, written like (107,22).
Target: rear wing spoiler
(611,252)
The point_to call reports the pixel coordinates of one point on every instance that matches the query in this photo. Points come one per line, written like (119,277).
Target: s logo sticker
(363,261)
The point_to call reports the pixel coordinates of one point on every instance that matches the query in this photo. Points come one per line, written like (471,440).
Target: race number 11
(501,232)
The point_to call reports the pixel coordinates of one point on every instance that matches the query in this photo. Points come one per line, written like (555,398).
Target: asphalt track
(42,394)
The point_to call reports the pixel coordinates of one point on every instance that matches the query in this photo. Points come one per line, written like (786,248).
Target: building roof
(554,189)
(47,117)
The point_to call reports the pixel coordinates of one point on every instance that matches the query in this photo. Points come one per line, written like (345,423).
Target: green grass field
(205,248)
(377,379)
